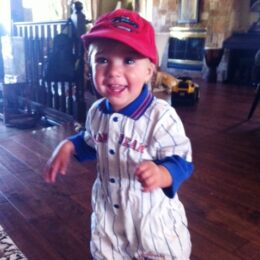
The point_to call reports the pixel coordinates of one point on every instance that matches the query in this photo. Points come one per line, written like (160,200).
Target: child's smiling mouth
(116,89)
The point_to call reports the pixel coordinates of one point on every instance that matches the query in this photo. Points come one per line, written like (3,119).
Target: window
(50,10)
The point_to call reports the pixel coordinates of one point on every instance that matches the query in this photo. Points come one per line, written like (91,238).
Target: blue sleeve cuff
(179,169)
(83,152)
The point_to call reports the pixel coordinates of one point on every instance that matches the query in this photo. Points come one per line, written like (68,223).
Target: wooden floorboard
(222,198)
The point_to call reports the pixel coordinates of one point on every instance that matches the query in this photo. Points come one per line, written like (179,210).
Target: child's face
(118,71)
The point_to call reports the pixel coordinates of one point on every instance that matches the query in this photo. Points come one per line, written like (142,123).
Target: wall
(100,7)
(220,17)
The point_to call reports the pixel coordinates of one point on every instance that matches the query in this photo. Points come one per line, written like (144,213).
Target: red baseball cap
(127,27)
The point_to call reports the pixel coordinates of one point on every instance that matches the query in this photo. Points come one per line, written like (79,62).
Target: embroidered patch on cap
(123,22)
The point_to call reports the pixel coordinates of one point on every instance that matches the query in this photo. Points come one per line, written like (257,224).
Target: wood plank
(238,219)
(250,251)
(22,198)
(66,243)
(36,160)
(206,249)
(69,213)
(28,239)
(215,231)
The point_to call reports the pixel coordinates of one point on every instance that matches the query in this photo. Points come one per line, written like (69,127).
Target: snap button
(112,180)
(111,151)
(116,206)
(115,119)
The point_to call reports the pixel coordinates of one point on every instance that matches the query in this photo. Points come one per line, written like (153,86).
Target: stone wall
(219,17)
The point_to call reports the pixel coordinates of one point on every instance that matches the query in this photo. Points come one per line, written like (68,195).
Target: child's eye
(101,60)
(129,61)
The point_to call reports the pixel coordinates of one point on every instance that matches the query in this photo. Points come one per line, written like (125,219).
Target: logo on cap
(123,22)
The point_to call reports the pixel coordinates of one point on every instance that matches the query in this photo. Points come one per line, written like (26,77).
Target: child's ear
(150,71)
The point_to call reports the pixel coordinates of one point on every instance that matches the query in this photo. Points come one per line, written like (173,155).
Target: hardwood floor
(222,198)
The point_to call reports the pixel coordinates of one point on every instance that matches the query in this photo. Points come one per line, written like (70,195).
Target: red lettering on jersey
(126,142)
(141,148)
(132,144)
(101,137)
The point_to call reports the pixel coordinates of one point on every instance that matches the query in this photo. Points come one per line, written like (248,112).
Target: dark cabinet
(242,49)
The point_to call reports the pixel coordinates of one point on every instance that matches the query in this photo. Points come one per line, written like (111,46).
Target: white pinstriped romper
(127,222)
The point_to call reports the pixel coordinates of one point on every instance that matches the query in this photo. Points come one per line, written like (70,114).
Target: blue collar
(135,109)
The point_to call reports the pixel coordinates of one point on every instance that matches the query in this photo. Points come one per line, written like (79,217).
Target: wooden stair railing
(57,101)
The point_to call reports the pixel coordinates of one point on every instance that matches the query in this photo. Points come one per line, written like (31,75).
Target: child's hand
(59,161)
(153,176)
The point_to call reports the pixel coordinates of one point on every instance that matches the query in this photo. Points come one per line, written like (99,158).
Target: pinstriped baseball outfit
(127,222)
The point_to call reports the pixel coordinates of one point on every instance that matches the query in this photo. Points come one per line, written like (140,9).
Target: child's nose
(115,68)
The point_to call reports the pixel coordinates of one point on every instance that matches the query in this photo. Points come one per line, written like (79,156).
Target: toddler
(139,143)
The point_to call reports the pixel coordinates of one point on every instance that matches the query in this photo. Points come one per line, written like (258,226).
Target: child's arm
(153,176)
(58,163)
(167,174)
(179,169)
(172,149)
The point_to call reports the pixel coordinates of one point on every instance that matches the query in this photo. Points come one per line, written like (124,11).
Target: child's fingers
(148,182)
(52,170)
(141,177)
(63,169)
(50,173)
(142,167)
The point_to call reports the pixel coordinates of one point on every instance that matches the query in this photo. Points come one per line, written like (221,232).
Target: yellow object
(186,86)
(164,81)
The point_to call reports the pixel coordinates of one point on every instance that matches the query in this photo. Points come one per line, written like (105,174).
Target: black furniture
(242,49)
(13,111)
(256,80)
(255,102)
